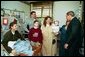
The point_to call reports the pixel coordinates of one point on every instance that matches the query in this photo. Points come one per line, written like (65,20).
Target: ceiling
(28,2)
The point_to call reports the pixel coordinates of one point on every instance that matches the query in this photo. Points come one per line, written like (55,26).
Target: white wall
(16,5)
(60,8)
(12,5)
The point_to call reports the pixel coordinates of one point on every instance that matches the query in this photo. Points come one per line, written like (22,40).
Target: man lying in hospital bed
(21,47)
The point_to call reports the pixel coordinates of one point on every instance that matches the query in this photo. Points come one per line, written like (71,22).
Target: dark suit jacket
(74,33)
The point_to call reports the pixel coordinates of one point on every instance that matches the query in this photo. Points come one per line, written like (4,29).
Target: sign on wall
(5,21)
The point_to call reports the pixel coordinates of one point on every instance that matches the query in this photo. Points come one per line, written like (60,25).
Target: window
(42,9)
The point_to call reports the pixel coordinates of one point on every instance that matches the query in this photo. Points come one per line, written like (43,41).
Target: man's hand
(13,53)
(66,46)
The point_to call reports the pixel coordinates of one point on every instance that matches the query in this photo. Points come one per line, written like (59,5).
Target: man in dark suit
(73,37)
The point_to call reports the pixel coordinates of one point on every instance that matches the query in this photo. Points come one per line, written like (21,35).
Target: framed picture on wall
(5,21)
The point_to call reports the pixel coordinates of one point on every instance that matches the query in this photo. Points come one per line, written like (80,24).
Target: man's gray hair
(71,13)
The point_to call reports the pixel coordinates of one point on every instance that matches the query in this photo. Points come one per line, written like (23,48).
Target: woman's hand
(55,33)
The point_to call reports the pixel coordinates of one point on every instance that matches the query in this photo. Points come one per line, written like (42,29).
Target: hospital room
(42,28)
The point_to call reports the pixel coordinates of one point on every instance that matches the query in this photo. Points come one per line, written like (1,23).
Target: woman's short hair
(11,24)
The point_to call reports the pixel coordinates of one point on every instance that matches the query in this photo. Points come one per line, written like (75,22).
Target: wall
(60,8)
(16,5)
(12,5)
